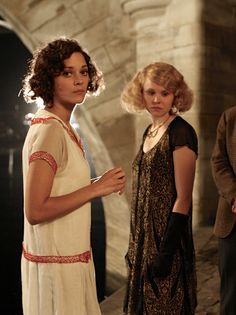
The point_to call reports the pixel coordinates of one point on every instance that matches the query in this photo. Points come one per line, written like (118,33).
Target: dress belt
(83,257)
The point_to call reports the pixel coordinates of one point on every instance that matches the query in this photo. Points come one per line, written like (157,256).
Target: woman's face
(157,100)
(70,87)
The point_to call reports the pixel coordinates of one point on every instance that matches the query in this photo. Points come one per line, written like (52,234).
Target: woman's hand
(112,181)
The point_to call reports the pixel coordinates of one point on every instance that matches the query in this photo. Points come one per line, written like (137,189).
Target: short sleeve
(183,134)
(47,143)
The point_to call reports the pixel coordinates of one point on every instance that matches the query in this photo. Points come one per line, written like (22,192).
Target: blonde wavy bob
(162,74)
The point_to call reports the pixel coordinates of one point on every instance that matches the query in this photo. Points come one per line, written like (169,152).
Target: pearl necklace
(154,132)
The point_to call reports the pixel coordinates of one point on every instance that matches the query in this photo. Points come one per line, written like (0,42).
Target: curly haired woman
(57,265)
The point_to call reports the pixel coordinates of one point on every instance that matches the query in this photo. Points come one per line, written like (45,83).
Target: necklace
(154,132)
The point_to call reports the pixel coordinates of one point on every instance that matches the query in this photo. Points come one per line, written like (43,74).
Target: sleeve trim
(42,155)
(43,120)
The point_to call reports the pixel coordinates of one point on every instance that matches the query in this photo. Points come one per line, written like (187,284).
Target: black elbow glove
(162,264)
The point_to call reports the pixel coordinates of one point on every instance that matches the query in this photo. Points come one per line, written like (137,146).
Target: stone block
(118,132)
(101,57)
(163,42)
(36,15)
(91,12)
(188,34)
(64,25)
(106,112)
(120,51)
(181,12)
(114,83)
(94,37)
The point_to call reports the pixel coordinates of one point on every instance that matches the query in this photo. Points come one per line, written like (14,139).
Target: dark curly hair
(48,62)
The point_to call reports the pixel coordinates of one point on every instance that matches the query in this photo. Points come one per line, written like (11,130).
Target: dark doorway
(13,59)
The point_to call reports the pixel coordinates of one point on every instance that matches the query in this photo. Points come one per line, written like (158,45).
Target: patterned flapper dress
(154,195)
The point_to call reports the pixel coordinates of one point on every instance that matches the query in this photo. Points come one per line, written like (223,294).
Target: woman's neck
(157,121)
(62,112)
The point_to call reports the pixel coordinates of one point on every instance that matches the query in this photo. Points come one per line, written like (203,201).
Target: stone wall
(122,36)
(216,90)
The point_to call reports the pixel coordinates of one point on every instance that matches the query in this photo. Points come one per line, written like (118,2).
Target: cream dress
(58,288)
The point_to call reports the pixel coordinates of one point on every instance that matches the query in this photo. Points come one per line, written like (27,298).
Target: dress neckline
(42,115)
(164,133)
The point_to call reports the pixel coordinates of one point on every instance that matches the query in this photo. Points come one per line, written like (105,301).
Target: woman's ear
(174,107)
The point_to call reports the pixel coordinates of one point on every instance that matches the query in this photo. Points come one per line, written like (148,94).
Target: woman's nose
(156,98)
(78,80)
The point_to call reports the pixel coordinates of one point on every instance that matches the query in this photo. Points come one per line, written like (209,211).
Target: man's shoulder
(231,111)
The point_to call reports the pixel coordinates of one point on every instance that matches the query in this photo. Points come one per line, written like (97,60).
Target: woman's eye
(84,72)
(165,93)
(66,73)
(150,92)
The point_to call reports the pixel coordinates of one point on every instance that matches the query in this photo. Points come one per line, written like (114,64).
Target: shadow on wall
(217,87)
(13,61)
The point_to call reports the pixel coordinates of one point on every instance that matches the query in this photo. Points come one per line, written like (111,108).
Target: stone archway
(123,36)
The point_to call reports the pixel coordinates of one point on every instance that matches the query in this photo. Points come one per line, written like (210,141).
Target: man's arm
(222,170)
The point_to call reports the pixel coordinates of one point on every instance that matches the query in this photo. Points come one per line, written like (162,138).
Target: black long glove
(162,264)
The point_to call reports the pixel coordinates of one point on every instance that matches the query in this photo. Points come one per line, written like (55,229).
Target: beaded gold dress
(154,195)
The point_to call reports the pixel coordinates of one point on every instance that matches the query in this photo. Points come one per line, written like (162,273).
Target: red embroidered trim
(42,155)
(40,120)
(84,258)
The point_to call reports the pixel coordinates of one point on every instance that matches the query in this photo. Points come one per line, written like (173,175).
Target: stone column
(146,16)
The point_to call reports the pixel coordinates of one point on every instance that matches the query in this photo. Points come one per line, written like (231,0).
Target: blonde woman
(160,257)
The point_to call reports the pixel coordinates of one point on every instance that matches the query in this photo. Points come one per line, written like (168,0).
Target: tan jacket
(223,164)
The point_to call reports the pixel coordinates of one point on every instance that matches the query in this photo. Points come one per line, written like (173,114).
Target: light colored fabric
(59,289)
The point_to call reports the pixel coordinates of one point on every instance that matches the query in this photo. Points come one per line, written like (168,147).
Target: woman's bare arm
(40,207)
(184,170)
